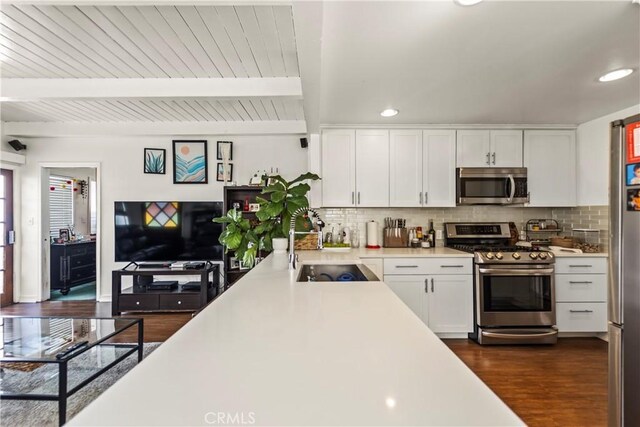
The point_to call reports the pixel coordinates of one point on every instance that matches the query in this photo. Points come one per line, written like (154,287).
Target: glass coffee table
(82,348)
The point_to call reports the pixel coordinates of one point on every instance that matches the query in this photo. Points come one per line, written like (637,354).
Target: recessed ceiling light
(389,112)
(467,2)
(615,75)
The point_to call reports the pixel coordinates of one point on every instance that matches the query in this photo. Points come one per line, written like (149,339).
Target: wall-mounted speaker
(17,145)
(304,143)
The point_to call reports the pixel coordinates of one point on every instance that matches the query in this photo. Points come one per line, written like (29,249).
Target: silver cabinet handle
(586,282)
(493,158)
(432,284)
(406,266)
(426,286)
(426,197)
(488,161)
(420,195)
(580,311)
(451,266)
(580,266)
(353,197)
(358,197)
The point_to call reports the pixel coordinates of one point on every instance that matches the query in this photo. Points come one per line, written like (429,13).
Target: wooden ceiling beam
(39,89)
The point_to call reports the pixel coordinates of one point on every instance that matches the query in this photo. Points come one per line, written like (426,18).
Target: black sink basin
(336,273)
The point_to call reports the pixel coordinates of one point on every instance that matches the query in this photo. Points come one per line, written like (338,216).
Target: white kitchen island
(271,351)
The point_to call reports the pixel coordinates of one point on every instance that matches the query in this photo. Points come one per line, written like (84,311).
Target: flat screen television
(167,231)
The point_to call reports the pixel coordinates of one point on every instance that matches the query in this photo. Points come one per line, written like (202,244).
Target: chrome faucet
(293,258)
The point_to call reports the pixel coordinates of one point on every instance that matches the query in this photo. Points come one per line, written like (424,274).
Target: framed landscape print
(154,160)
(190,162)
(220,172)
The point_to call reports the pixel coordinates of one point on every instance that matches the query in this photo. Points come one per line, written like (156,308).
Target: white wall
(593,157)
(122,178)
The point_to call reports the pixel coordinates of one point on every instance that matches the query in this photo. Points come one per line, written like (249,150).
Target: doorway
(6,237)
(70,233)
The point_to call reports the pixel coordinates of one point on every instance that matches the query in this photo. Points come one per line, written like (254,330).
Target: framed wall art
(220,175)
(221,146)
(190,162)
(154,160)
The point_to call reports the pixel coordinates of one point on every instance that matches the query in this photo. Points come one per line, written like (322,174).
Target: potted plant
(274,218)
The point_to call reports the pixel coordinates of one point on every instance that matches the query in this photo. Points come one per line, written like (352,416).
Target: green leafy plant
(274,218)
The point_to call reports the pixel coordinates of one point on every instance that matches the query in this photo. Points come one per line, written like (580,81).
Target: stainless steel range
(514,287)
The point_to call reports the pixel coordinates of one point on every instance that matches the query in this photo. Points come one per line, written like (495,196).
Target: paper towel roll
(372,234)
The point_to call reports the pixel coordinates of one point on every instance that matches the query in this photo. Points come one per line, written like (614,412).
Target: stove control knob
(543,255)
(499,255)
(533,255)
(489,255)
(516,255)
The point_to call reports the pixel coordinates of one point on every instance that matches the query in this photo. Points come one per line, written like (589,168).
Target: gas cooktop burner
(486,254)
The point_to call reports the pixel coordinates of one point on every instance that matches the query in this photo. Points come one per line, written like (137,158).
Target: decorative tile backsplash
(568,218)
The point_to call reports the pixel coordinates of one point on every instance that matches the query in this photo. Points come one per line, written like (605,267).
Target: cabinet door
(473,148)
(506,148)
(372,168)
(550,159)
(439,167)
(375,265)
(338,167)
(450,304)
(405,168)
(412,291)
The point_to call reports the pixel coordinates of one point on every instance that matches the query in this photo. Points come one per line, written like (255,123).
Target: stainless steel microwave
(491,186)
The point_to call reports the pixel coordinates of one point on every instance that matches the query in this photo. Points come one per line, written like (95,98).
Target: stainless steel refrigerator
(624,273)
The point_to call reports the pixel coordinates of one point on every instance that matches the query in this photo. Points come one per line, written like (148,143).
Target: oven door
(515,295)
(489,186)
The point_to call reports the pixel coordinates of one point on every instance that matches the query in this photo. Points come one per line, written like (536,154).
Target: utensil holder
(395,238)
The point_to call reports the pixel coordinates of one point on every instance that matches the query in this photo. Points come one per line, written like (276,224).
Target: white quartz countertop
(582,255)
(277,352)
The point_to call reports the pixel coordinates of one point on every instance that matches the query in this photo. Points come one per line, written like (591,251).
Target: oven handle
(517,272)
(518,336)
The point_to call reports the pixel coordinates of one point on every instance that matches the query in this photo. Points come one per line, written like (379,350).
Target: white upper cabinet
(550,159)
(405,163)
(473,149)
(489,148)
(506,148)
(372,168)
(338,167)
(439,168)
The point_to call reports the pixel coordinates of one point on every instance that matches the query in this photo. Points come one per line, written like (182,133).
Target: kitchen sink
(335,273)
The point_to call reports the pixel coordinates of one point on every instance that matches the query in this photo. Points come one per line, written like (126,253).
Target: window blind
(60,204)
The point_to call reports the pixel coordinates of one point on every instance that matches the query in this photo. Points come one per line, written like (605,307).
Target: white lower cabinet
(581,294)
(375,265)
(444,302)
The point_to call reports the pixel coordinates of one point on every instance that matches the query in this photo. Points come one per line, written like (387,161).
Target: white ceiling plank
(154,38)
(132,114)
(228,106)
(153,16)
(248,107)
(87,44)
(55,34)
(188,115)
(150,2)
(269,35)
(113,112)
(9,113)
(279,107)
(171,112)
(236,34)
(165,117)
(53,113)
(217,30)
(44,129)
(16,89)
(137,110)
(197,107)
(6,70)
(204,37)
(100,113)
(9,50)
(241,110)
(23,69)
(259,107)
(122,39)
(136,34)
(268,106)
(94,32)
(213,113)
(219,109)
(251,29)
(80,113)
(185,105)
(63,64)
(186,36)
(285,25)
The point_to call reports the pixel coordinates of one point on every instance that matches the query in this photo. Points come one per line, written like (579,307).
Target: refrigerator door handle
(615,223)
(615,376)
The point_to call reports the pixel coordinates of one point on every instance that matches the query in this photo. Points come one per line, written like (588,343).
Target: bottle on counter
(431,234)
(419,233)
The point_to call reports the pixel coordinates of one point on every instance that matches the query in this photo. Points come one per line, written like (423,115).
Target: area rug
(45,380)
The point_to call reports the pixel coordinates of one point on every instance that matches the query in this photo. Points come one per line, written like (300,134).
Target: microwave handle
(512,193)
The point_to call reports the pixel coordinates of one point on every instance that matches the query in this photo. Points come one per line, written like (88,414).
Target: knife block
(395,237)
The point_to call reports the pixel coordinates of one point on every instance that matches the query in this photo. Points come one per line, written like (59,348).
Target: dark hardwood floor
(560,385)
